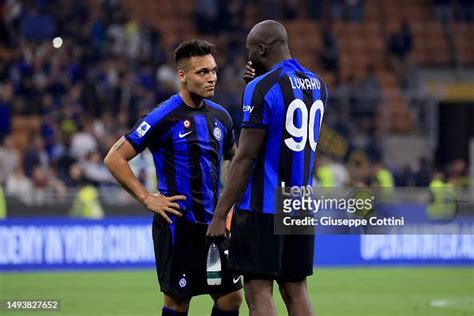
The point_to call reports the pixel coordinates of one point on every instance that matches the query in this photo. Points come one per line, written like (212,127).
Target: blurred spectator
(406,178)
(19,185)
(231,14)
(4,35)
(341,174)
(271,9)
(144,76)
(107,130)
(44,184)
(324,176)
(206,16)
(400,44)
(90,96)
(116,35)
(47,106)
(443,11)
(315,9)
(83,142)
(350,10)
(443,205)
(329,53)
(87,203)
(354,10)
(9,160)
(423,171)
(381,177)
(466,10)
(6,98)
(367,99)
(234,50)
(330,173)
(167,83)
(75,176)
(337,9)
(36,25)
(458,173)
(94,170)
(290,9)
(350,86)
(64,162)
(230,84)
(98,32)
(36,157)
(133,40)
(143,167)
(141,40)
(340,97)
(12,15)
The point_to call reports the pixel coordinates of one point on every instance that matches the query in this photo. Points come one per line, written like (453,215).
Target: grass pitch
(334,292)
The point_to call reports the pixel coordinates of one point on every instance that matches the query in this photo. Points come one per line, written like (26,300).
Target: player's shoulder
(311,74)
(324,87)
(165,108)
(218,109)
(322,84)
(264,82)
(215,106)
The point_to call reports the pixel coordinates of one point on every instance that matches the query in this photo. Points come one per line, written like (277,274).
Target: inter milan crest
(187,123)
(217,133)
(182,281)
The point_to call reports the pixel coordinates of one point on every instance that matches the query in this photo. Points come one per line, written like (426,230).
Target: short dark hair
(191,48)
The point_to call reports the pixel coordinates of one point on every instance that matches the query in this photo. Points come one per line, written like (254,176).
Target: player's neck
(274,60)
(191,100)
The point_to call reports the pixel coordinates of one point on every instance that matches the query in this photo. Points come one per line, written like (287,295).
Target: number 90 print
(307,129)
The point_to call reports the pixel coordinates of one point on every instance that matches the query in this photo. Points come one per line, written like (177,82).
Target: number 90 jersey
(289,102)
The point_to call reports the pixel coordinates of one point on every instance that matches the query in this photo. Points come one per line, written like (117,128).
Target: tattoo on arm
(119,144)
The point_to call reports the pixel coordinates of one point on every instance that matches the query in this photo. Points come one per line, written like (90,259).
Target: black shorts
(181,254)
(257,253)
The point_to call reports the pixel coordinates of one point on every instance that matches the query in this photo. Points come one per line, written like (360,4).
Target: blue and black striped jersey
(289,102)
(187,145)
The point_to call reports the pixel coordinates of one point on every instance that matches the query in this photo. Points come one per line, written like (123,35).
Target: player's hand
(162,205)
(216,229)
(249,72)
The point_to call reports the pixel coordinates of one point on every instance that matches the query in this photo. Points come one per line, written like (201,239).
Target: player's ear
(181,76)
(262,49)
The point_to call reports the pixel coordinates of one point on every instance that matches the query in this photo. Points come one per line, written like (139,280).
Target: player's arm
(228,156)
(250,142)
(117,162)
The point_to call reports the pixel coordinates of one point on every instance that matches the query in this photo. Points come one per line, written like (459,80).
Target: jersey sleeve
(255,108)
(144,131)
(229,139)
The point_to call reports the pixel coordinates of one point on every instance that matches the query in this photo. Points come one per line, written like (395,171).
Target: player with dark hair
(188,135)
(282,113)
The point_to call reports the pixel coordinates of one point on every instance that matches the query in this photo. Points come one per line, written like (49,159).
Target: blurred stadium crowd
(63,106)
